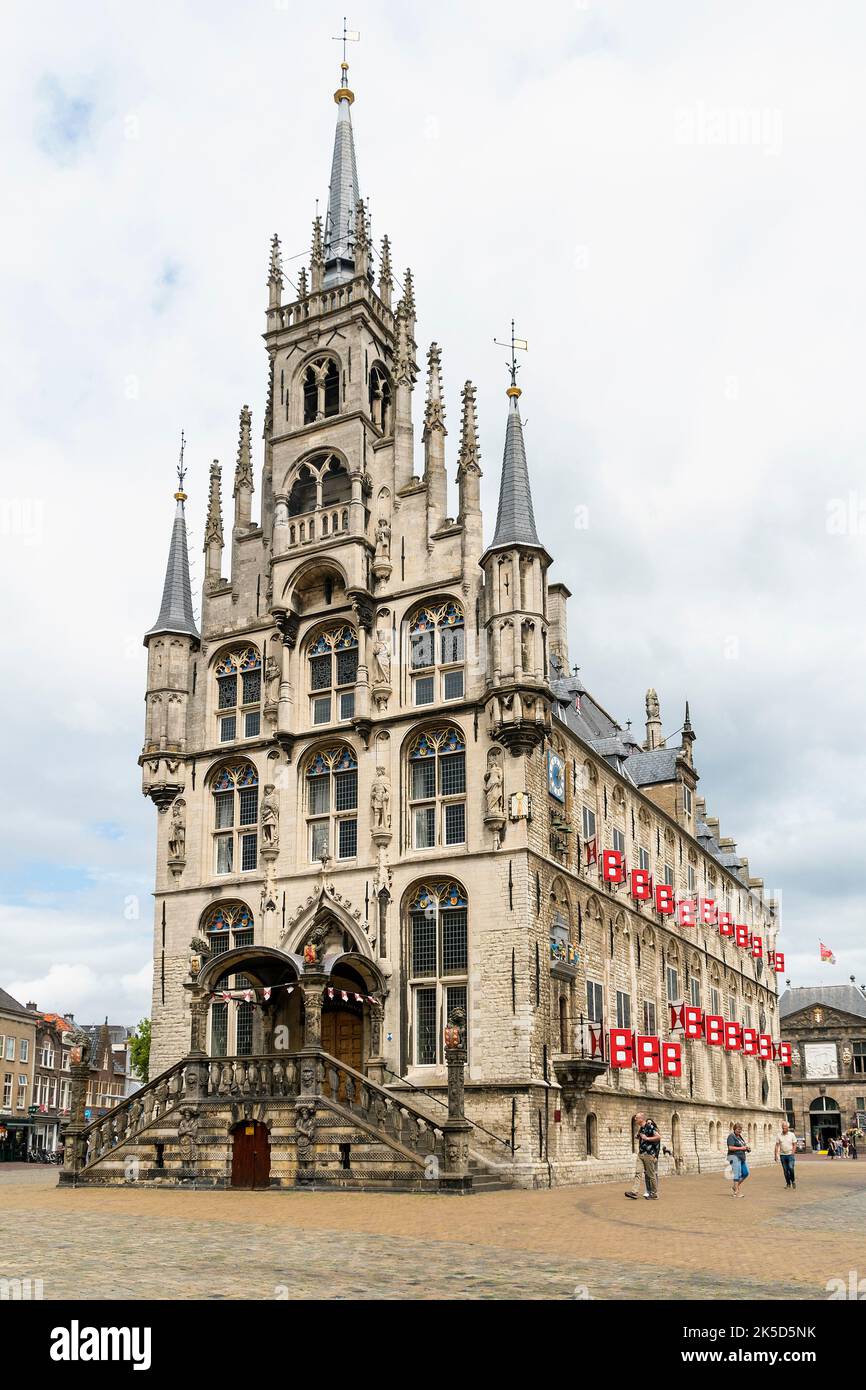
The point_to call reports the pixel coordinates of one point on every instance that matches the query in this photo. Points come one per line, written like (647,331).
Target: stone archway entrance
(825,1121)
(251,1155)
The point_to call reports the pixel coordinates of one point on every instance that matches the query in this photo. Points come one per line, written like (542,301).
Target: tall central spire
(344,191)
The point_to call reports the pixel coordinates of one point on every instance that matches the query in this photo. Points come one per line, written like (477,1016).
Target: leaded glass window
(437,652)
(333,663)
(438,963)
(437,788)
(236,813)
(332,803)
(239,694)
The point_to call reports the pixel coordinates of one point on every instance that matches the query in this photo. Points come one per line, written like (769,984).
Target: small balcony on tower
(325,503)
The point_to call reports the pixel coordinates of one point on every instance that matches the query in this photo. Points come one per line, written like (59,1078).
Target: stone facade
(825,1089)
(358,744)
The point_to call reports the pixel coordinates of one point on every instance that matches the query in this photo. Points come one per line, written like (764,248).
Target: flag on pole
(826,954)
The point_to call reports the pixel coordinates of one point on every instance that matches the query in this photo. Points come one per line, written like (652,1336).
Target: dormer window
(239,695)
(321,387)
(437,651)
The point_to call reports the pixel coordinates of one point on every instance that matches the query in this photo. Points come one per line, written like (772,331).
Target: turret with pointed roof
(170,643)
(515,568)
(175,611)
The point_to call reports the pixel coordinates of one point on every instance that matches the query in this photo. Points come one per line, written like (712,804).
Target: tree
(139,1050)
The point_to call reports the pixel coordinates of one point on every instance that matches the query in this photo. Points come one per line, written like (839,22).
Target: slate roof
(175,613)
(653,765)
(848,999)
(342,197)
(515,519)
(11,1006)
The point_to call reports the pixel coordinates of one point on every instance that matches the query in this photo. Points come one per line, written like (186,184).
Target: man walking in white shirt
(786,1152)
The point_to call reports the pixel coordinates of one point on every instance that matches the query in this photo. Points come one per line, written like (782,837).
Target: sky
(667,198)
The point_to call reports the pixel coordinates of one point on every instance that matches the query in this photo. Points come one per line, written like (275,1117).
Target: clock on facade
(556,776)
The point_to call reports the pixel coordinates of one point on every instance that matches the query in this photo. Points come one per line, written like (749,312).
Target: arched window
(321,387)
(332,804)
(437,650)
(563,1024)
(333,664)
(380,399)
(322,482)
(236,818)
(437,788)
(239,695)
(592,1135)
(304,494)
(226,925)
(438,965)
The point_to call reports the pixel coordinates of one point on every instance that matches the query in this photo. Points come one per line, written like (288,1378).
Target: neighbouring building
(17,1050)
(825,1089)
(52,1079)
(110,1079)
(383,797)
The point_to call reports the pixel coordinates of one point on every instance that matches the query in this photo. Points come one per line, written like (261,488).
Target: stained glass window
(439,951)
(332,792)
(437,777)
(333,663)
(437,634)
(238,674)
(236,804)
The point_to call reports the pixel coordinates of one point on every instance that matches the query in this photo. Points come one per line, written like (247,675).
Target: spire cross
(347,36)
(516,344)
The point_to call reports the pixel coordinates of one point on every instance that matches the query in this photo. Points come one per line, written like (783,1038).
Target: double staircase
(322,1123)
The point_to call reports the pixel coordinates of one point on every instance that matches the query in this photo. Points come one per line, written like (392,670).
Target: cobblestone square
(565,1243)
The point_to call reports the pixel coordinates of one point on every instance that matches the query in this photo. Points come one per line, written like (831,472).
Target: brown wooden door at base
(342,1036)
(251,1155)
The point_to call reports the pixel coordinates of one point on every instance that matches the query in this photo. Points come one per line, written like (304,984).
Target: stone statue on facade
(380,800)
(272,681)
(381,659)
(652,704)
(177,830)
(187,1131)
(383,539)
(493,791)
(270,818)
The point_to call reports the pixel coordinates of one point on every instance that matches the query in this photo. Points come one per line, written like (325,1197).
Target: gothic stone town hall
(382,804)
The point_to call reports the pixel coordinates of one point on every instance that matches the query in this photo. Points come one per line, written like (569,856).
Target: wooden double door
(251,1155)
(343,1038)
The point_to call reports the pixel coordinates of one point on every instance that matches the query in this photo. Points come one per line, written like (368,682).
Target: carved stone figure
(272,681)
(187,1131)
(177,830)
(314,945)
(493,789)
(305,1125)
(652,704)
(383,539)
(381,659)
(270,818)
(380,800)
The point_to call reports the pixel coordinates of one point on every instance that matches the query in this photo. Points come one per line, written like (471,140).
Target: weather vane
(181,470)
(347,36)
(515,345)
